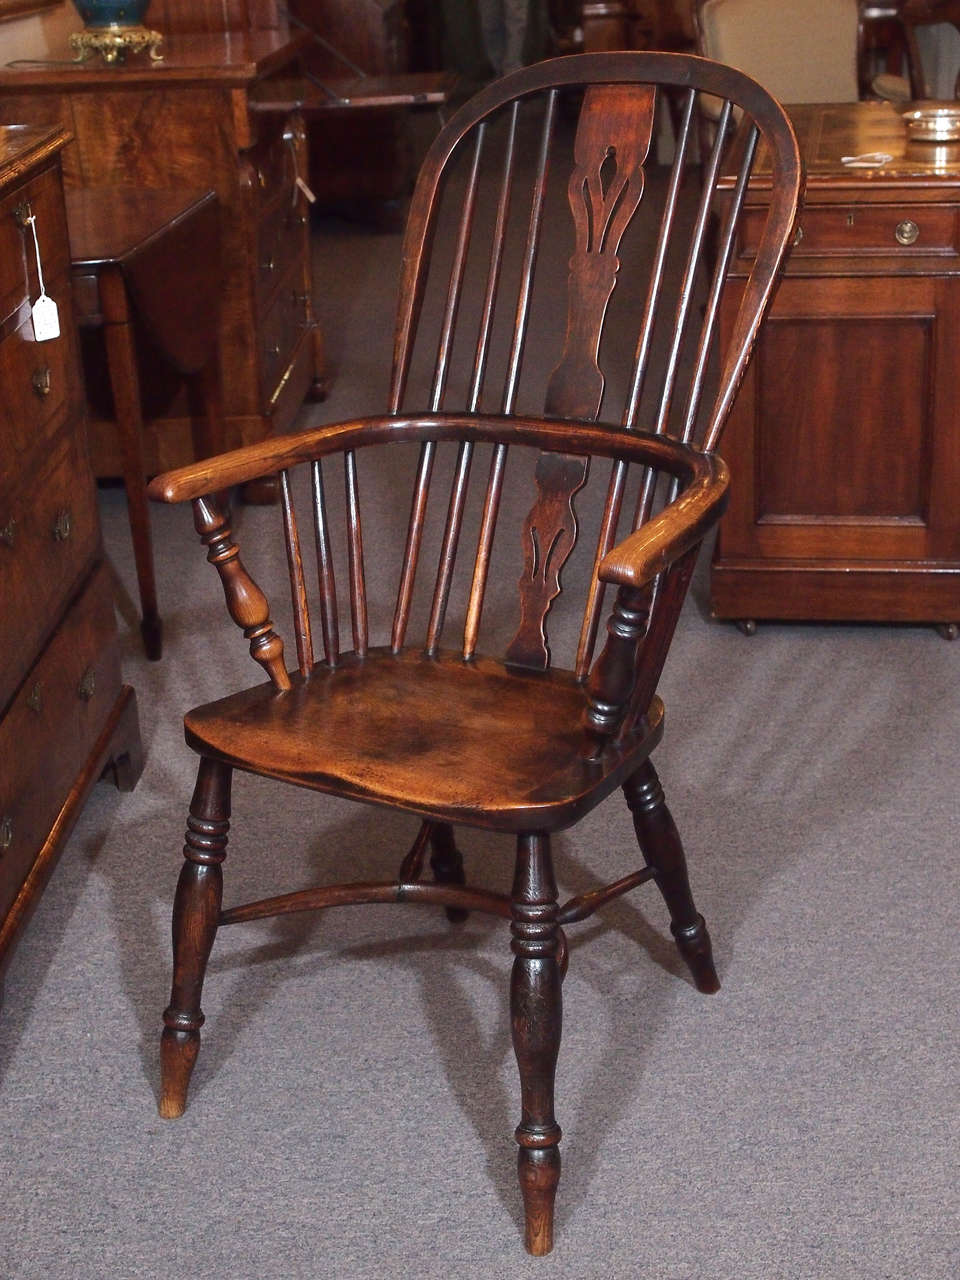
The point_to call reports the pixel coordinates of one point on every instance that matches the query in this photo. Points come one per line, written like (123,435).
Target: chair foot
(693,943)
(660,842)
(196,915)
(539,1174)
(151,631)
(446,863)
(178,1055)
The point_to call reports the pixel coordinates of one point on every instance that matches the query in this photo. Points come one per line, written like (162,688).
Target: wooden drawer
(38,380)
(281,238)
(853,229)
(274,172)
(280,331)
(48,537)
(50,727)
(18,263)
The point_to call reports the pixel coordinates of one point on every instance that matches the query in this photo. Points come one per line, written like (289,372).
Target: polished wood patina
(843,503)
(65,714)
(418,714)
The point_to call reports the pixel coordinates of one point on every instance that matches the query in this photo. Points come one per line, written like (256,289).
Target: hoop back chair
(514,741)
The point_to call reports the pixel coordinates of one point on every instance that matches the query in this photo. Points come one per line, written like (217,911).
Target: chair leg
(446,863)
(536,1017)
(660,843)
(196,914)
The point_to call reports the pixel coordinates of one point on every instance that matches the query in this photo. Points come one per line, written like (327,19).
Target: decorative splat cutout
(612,143)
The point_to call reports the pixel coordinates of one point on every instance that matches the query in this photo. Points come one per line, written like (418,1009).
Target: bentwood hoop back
(469,710)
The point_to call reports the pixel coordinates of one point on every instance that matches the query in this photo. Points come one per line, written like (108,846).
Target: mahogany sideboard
(844,442)
(64,713)
(189,122)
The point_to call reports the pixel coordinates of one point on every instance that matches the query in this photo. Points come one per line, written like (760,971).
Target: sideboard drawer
(280,331)
(50,727)
(826,230)
(36,383)
(42,197)
(48,538)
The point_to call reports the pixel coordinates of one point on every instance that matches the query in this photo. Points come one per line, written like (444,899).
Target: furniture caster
(949,630)
(747,625)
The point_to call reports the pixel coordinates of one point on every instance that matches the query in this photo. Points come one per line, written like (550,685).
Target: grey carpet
(353,1105)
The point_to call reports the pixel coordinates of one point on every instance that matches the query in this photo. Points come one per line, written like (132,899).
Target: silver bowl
(932,121)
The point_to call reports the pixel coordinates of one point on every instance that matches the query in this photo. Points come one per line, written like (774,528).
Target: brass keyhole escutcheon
(62,526)
(6,832)
(88,685)
(41,382)
(907,232)
(35,699)
(798,234)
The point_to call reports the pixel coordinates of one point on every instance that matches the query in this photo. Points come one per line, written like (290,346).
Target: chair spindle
(298,588)
(358,592)
(329,615)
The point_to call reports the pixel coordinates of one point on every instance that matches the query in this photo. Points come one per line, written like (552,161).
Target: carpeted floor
(354,1102)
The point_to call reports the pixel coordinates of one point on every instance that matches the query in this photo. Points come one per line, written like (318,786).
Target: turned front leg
(196,914)
(536,1017)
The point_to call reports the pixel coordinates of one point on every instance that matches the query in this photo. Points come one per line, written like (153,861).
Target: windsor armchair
(521,743)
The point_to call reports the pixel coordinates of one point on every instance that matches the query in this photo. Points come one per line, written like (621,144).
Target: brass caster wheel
(949,630)
(748,626)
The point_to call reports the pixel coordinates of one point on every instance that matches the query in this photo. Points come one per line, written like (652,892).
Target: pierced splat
(612,143)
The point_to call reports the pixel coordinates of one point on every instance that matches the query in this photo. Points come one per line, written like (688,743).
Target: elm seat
(506,462)
(458,741)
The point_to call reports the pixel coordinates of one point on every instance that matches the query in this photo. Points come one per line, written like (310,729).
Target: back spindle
(491,504)
(358,590)
(329,616)
(298,589)
(454,524)
(441,370)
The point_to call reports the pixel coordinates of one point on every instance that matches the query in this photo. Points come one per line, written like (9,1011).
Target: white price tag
(46,319)
(306,190)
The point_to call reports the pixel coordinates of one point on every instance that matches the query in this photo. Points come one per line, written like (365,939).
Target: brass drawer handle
(22,214)
(6,832)
(88,685)
(907,232)
(62,526)
(274,350)
(8,534)
(41,381)
(35,699)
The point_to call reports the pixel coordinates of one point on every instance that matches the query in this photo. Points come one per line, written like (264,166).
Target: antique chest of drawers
(64,713)
(191,122)
(844,442)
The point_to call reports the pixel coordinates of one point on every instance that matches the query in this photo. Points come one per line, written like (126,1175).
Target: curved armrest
(656,545)
(563,436)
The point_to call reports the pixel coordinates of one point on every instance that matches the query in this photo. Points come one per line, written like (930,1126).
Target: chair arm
(279,452)
(676,529)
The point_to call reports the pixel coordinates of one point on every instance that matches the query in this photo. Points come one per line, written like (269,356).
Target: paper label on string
(306,190)
(46,319)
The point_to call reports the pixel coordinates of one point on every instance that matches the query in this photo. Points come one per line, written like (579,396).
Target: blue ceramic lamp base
(114,28)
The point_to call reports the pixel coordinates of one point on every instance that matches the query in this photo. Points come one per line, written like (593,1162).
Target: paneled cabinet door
(845,456)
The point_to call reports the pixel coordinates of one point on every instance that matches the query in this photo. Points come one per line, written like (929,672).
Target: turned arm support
(633,566)
(246,603)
